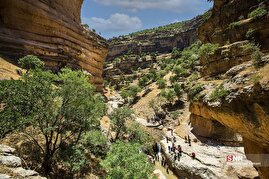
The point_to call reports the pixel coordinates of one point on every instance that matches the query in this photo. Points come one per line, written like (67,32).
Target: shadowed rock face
(245,110)
(51,29)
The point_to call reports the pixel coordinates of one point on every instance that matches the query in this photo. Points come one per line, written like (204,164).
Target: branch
(28,136)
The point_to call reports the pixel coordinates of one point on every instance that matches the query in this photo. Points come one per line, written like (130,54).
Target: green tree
(168,94)
(59,107)
(30,62)
(130,92)
(118,119)
(177,89)
(125,161)
(97,143)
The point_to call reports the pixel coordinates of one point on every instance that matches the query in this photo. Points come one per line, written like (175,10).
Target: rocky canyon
(51,30)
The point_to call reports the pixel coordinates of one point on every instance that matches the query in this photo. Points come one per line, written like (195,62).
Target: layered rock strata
(162,41)
(52,30)
(236,91)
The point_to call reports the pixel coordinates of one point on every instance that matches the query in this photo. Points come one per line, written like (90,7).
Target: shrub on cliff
(257,13)
(31,62)
(257,58)
(60,108)
(194,91)
(219,93)
(208,49)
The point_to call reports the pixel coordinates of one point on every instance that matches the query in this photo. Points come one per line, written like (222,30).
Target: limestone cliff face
(51,29)
(230,23)
(162,41)
(244,109)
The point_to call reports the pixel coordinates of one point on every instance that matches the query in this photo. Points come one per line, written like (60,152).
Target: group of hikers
(174,150)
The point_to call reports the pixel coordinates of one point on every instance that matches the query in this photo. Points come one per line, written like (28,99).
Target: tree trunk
(47,164)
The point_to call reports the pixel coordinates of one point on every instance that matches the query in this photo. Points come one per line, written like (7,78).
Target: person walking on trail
(175,156)
(193,155)
(167,139)
(159,147)
(186,140)
(167,169)
(179,150)
(189,140)
(169,149)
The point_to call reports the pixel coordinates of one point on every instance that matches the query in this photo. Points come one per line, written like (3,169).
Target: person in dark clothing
(186,141)
(167,169)
(179,150)
(189,140)
(193,155)
(175,156)
(167,139)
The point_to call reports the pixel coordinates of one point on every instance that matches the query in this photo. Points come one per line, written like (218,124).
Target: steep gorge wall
(151,42)
(51,29)
(245,109)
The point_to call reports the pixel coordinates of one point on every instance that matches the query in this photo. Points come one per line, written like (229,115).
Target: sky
(112,18)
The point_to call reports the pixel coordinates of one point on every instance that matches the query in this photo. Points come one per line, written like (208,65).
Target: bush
(250,33)
(257,13)
(256,79)
(219,93)
(31,62)
(193,93)
(125,161)
(96,142)
(208,49)
(176,53)
(139,135)
(168,94)
(257,58)
(174,114)
(177,89)
(234,24)
(131,92)
(143,81)
(180,71)
(161,83)
(74,158)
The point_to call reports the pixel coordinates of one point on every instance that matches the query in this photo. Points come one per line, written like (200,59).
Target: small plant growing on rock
(219,93)
(256,58)
(256,79)
(257,13)
(193,93)
(208,49)
(174,114)
(250,33)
